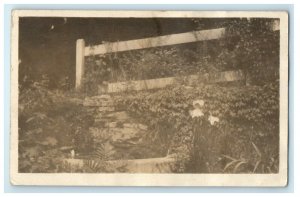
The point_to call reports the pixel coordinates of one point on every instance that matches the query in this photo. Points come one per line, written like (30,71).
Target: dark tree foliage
(254,47)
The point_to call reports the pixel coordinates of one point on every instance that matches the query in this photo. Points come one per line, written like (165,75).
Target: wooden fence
(83,51)
(195,36)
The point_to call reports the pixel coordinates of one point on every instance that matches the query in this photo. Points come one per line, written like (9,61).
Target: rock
(121,135)
(49,141)
(135,125)
(99,97)
(104,96)
(142,126)
(121,139)
(117,135)
(102,120)
(129,125)
(117,116)
(97,103)
(106,109)
(66,148)
(111,124)
(101,101)
(90,109)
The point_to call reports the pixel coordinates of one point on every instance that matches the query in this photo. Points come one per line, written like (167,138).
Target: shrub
(49,122)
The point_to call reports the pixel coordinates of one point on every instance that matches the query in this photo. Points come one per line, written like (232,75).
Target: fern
(94,166)
(102,154)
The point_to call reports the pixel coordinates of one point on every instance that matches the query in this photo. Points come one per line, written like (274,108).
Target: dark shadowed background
(47,45)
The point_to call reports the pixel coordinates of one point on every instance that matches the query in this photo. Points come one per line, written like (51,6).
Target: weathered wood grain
(227,76)
(158,41)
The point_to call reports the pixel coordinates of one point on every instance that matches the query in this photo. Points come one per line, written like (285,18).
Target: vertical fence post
(80,45)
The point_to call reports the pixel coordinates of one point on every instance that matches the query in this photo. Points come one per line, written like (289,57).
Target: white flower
(198,103)
(72,154)
(196,113)
(213,119)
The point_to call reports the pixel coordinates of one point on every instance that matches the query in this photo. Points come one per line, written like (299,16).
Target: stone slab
(150,165)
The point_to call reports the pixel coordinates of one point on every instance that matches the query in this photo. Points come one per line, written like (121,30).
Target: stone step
(101,101)
(117,135)
(100,97)
(106,123)
(118,116)
(135,125)
(111,115)
(97,103)
(106,109)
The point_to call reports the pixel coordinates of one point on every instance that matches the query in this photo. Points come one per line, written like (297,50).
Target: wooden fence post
(80,45)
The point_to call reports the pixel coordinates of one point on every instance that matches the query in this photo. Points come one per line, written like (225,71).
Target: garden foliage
(244,140)
(247,133)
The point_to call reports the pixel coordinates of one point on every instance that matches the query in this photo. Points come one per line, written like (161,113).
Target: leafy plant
(247,114)
(101,158)
(235,163)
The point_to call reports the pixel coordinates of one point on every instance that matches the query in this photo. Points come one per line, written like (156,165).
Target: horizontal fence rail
(158,41)
(226,76)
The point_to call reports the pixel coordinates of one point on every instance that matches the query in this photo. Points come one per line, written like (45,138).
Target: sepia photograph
(149,98)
